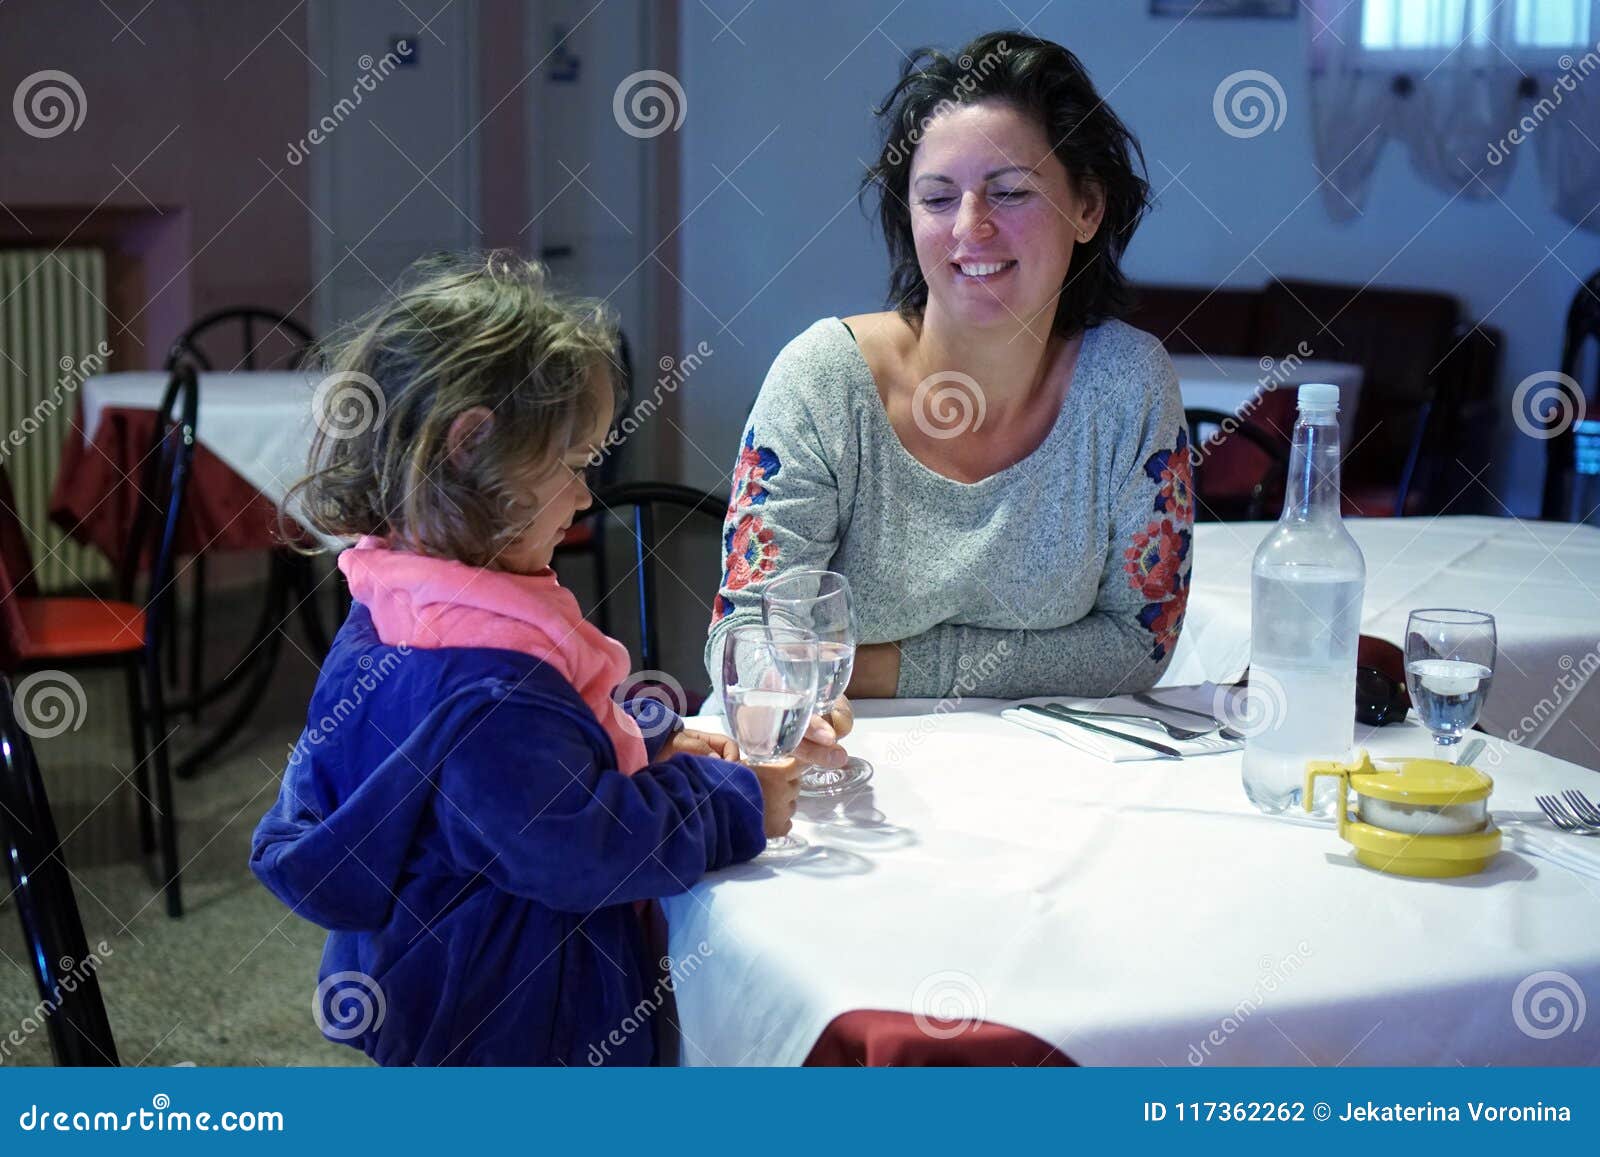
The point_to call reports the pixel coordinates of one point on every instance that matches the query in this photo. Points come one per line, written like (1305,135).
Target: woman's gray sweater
(1065,573)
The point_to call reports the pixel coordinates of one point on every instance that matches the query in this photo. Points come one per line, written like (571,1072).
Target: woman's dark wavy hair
(1045,80)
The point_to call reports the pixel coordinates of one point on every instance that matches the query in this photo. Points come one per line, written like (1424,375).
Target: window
(1421,25)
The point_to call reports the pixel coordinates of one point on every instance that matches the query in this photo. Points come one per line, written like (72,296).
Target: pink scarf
(433,602)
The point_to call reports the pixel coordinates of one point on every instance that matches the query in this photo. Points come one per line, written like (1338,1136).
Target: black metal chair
(266,339)
(1268,485)
(192,343)
(58,634)
(62,965)
(1583,328)
(643,498)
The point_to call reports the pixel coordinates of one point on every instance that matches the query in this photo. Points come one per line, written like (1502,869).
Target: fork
(1217,725)
(1585,810)
(1562,818)
(1173,731)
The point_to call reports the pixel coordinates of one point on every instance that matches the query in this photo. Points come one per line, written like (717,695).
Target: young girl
(467,811)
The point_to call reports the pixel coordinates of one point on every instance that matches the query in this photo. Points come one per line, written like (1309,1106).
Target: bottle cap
(1318,396)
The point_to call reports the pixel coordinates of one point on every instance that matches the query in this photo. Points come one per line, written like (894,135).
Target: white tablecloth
(258,423)
(1126,913)
(1214,382)
(1540,580)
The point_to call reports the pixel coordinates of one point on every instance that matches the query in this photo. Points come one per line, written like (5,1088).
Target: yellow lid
(1424,782)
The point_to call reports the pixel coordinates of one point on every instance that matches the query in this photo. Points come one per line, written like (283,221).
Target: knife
(1222,729)
(1078,721)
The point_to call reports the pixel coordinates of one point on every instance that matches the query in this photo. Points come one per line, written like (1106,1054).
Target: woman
(997,464)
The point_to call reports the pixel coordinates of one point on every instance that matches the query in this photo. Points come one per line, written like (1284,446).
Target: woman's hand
(821,743)
(876,673)
(688,742)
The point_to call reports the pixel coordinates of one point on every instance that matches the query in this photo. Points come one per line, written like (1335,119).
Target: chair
(644,498)
(1235,480)
(192,345)
(1561,500)
(57,633)
(75,1017)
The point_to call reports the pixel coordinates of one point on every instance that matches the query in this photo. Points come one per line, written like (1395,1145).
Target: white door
(392,155)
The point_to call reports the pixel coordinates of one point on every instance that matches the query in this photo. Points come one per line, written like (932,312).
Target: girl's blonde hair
(459,332)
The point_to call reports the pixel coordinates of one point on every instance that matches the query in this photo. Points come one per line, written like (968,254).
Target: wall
(782,243)
(189,100)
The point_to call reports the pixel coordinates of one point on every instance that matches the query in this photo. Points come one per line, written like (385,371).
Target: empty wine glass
(819,601)
(1449,666)
(769,690)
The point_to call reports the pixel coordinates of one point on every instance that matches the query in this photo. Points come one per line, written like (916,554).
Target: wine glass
(1449,666)
(819,601)
(769,690)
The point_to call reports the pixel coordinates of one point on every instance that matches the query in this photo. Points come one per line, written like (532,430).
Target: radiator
(52,335)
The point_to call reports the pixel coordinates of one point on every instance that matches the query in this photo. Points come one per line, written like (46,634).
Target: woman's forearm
(1100,654)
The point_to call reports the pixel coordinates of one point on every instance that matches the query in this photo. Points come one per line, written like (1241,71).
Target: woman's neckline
(1068,413)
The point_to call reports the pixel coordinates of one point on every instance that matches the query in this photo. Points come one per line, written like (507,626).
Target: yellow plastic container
(1416,817)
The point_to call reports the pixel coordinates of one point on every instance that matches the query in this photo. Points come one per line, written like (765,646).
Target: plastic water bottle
(1305,619)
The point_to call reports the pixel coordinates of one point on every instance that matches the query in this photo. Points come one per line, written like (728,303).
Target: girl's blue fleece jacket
(455,818)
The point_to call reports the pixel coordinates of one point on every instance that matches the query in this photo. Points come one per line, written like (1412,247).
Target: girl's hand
(876,673)
(821,743)
(688,742)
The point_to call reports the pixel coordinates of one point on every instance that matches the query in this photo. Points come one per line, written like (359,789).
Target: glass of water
(819,601)
(1449,666)
(769,690)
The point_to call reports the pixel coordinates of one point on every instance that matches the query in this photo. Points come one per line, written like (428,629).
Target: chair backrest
(643,499)
(163,480)
(1240,470)
(258,347)
(1583,328)
(41,887)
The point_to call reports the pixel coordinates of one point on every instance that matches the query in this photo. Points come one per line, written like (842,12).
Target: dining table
(253,431)
(1540,581)
(994,896)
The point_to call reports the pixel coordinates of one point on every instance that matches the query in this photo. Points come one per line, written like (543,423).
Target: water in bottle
(1305,619)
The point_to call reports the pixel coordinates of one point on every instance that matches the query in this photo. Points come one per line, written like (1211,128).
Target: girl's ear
(466,433)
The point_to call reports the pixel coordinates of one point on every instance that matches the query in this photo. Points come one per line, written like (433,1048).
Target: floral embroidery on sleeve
(1155,563)
(750,553)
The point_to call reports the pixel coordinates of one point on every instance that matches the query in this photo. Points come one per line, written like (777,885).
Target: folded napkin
(1114,750)
(1580,854)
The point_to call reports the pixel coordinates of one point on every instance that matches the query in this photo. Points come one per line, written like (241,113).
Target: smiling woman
(996,463)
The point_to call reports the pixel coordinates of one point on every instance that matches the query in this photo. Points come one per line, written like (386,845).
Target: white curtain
(1466,87)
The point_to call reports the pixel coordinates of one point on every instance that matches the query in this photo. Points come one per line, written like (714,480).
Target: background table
(1215,382)
(1540,580)
(1132,914)
(254,430)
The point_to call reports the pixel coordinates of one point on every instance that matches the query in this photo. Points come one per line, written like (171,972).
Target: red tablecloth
(872,1037)
(95,493)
